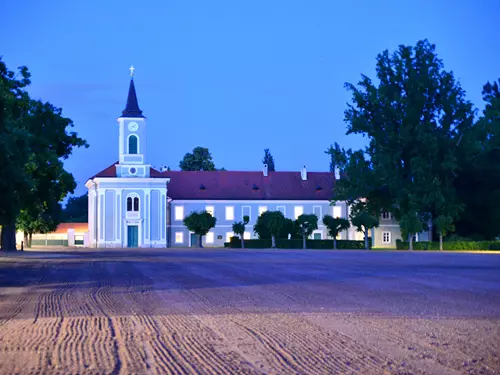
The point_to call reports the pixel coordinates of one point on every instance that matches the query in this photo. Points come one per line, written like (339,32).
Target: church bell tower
(132,138)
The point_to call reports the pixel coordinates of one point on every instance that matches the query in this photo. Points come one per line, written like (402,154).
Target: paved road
(234,311)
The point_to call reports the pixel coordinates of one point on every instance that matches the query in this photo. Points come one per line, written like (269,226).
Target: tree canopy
(34,141)
(200,223)
(478,182)
(414,117)
(307,224)
(269,160)
(76,209)
(335,225)
(272,224)
(198,160)
(364,221)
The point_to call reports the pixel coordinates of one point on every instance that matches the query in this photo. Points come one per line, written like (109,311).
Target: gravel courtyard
(249,312)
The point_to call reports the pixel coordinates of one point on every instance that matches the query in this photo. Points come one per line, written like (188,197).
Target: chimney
(264,170)
(303,173)
(337,173)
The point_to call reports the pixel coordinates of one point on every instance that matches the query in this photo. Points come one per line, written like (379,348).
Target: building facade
(132,204)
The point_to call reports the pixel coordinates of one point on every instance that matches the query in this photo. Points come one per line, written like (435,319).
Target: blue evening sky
(234,76)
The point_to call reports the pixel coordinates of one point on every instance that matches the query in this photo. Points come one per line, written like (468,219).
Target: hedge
(235,243)
(451,245)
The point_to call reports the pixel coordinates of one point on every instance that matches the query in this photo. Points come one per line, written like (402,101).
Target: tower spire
(132,108)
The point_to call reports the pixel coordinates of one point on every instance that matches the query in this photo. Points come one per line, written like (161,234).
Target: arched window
(133,203)
(133,142)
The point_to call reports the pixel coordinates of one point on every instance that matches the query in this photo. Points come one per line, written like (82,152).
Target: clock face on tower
(133,126)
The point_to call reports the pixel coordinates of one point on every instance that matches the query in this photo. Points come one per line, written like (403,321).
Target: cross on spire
(132,107)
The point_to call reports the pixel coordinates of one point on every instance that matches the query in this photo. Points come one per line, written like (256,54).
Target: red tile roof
(242,185)
(108,172)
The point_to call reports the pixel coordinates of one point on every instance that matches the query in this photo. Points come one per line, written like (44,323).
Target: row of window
(210,236)
(247,210)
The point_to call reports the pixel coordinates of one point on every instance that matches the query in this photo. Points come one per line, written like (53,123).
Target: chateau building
(132,204)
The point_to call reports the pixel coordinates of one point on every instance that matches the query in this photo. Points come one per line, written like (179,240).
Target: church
(134,205)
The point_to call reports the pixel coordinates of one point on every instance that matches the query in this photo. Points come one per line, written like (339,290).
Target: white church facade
(132,204)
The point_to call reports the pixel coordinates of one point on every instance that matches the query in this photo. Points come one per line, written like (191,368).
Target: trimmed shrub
(450,245)
(235,243)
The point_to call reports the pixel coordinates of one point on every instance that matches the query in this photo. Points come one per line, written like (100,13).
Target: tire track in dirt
(428,340)
(197,347)
(306,349)
(171,344)
(86,345)
(11,309)
(101,302)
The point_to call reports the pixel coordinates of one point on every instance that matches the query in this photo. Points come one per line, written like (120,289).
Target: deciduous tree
(14,149)
(198,160)
(239,229)
(200,223)
(35,139)
(444,225)
(272,223)
(307,224)
(478,181)
(414,118)
(335,225)
(364,222)
(76,209)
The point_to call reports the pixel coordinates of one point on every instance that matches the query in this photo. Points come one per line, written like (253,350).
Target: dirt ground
(249,312)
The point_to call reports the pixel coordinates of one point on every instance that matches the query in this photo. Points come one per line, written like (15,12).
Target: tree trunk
(26,240)
(200,240)
(9,237)
(410,242)
(366,240)
(242,241)
(335,243)
(303,241)
(441,241)
(30,239)
(273,242)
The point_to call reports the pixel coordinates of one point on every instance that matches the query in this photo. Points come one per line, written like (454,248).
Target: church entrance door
(132,236)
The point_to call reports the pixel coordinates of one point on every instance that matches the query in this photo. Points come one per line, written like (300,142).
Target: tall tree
(307,224)
(269,160)
(76,209)
(239,229)
(414,118)
(478,181)
(200,224)
(14,150)
(198,160)
(335,225)
(41,211)
(39,173)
